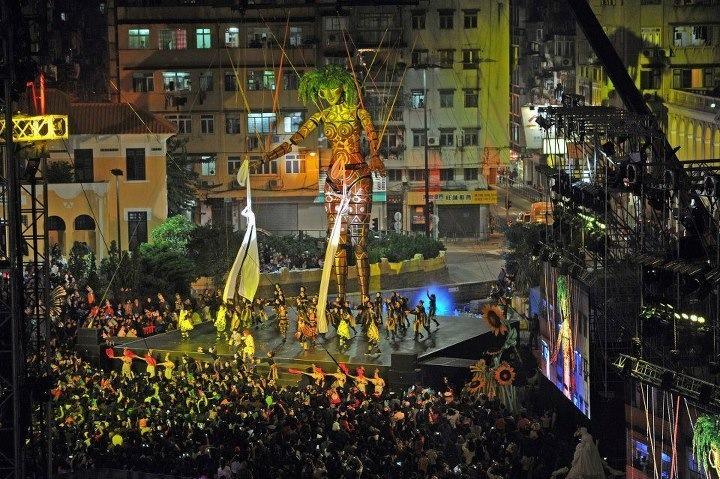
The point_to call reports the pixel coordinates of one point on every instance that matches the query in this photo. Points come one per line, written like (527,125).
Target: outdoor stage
(457,336)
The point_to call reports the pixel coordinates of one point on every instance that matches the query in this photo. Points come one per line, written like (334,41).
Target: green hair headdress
(329,76)
(705,434)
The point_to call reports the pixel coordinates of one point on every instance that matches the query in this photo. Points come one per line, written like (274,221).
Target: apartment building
(457,93)
(672,50)
(168,59)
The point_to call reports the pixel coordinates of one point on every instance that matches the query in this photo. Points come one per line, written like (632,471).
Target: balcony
(694,101)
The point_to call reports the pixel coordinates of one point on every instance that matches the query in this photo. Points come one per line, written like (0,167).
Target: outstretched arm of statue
(376,163)
(303,132)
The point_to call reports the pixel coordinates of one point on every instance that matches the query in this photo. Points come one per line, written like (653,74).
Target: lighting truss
(37,128)
(705,393)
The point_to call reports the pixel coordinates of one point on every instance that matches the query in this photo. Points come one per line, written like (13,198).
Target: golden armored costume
(342,121)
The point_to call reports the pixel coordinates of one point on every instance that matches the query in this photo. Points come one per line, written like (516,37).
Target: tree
(182,179)
(174,232)
(77,262)
(117,272)
(521,239)
(165,269)
(214,248)
(59,172)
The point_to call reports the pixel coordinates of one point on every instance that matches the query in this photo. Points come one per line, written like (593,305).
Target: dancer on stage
(279,295)
(340,378)
(420,318)
(248,346)
(272,367)
(378,306)
(185,321)
(169,367)
(373,331)
(221,321)
(283,321)
(432,309)
(343,330)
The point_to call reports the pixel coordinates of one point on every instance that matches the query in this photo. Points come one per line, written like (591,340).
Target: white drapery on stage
(244,276)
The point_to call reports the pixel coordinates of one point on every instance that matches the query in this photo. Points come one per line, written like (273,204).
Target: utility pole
(427,169)
(117,173)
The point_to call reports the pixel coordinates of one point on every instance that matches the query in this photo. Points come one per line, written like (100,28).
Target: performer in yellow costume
(334,91)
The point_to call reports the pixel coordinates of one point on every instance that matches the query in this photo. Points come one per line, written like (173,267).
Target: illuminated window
(176,81)
(139,38)
(417,98)
(143,82)
(173,39)
(232,37)
(260,80)
(261,123)
(203,38)
(295,36)
(207,165)
(292,121)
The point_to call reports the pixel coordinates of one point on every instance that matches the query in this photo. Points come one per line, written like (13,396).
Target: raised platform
(459,336)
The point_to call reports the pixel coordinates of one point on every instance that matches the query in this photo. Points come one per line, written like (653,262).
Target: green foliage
(59,172)
(213,248)
(397,247)
(115,274)
(77,263)
(174,232)
(520,239)
(328,76)
(706,434)
(165,269)
(182,179)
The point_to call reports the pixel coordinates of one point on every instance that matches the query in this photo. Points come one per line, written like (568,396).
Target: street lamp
(424,68)
(117,173)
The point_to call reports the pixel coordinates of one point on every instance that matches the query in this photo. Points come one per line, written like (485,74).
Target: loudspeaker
(399,381)
(88,342)
(403,361)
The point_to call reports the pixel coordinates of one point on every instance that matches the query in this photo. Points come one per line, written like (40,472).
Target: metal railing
(694,101)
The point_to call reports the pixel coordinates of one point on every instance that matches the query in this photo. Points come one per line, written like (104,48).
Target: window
(139,38)
(234,163)
(470,137)
(417,98)
(230,81)
(295,36)
(394,174)
(263,168)
(176,81)
(84,223)
(183,123)
(447,174)
(207,165)
(294,163)
(258,37)
(83,166)
(419,57)
(252,142)
(470,174)
(470,19)
(650,36)
(687,78)
(650,79)
(446,58)
(207,124)
(447,98)
(471,98)
(470,59)
(261,80)
(416,175)
(291,80)
(292,122)
(261,123)
(143,82)
(232,37)
(135,164)
(418,20)
(173,39)
(446,19)
(691,36)
(203,38)
(418,138)
(206,81)
(137,229)
(447,137)
(232,124)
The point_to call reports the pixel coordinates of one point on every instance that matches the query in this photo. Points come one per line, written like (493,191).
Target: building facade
(105,137)
(228,80)
(672,50)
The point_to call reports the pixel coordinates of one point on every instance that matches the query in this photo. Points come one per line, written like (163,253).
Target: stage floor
(452,330)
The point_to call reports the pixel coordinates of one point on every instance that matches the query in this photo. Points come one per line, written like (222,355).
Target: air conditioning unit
(273,184)
(566,62)
(433,141)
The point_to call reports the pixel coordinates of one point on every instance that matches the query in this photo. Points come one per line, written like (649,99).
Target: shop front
(460,214)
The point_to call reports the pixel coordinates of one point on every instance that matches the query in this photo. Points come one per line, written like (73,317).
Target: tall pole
(16,266)
(427,170)
(117,212)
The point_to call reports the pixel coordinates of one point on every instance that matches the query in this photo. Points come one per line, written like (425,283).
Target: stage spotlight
(711,186)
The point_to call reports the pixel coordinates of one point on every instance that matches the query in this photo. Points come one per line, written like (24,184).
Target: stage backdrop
(563,312)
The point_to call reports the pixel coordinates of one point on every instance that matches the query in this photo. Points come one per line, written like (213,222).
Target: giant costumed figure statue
(349,184)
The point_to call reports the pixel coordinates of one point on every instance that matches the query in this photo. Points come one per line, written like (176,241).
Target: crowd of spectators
(272,260)
(224,420)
